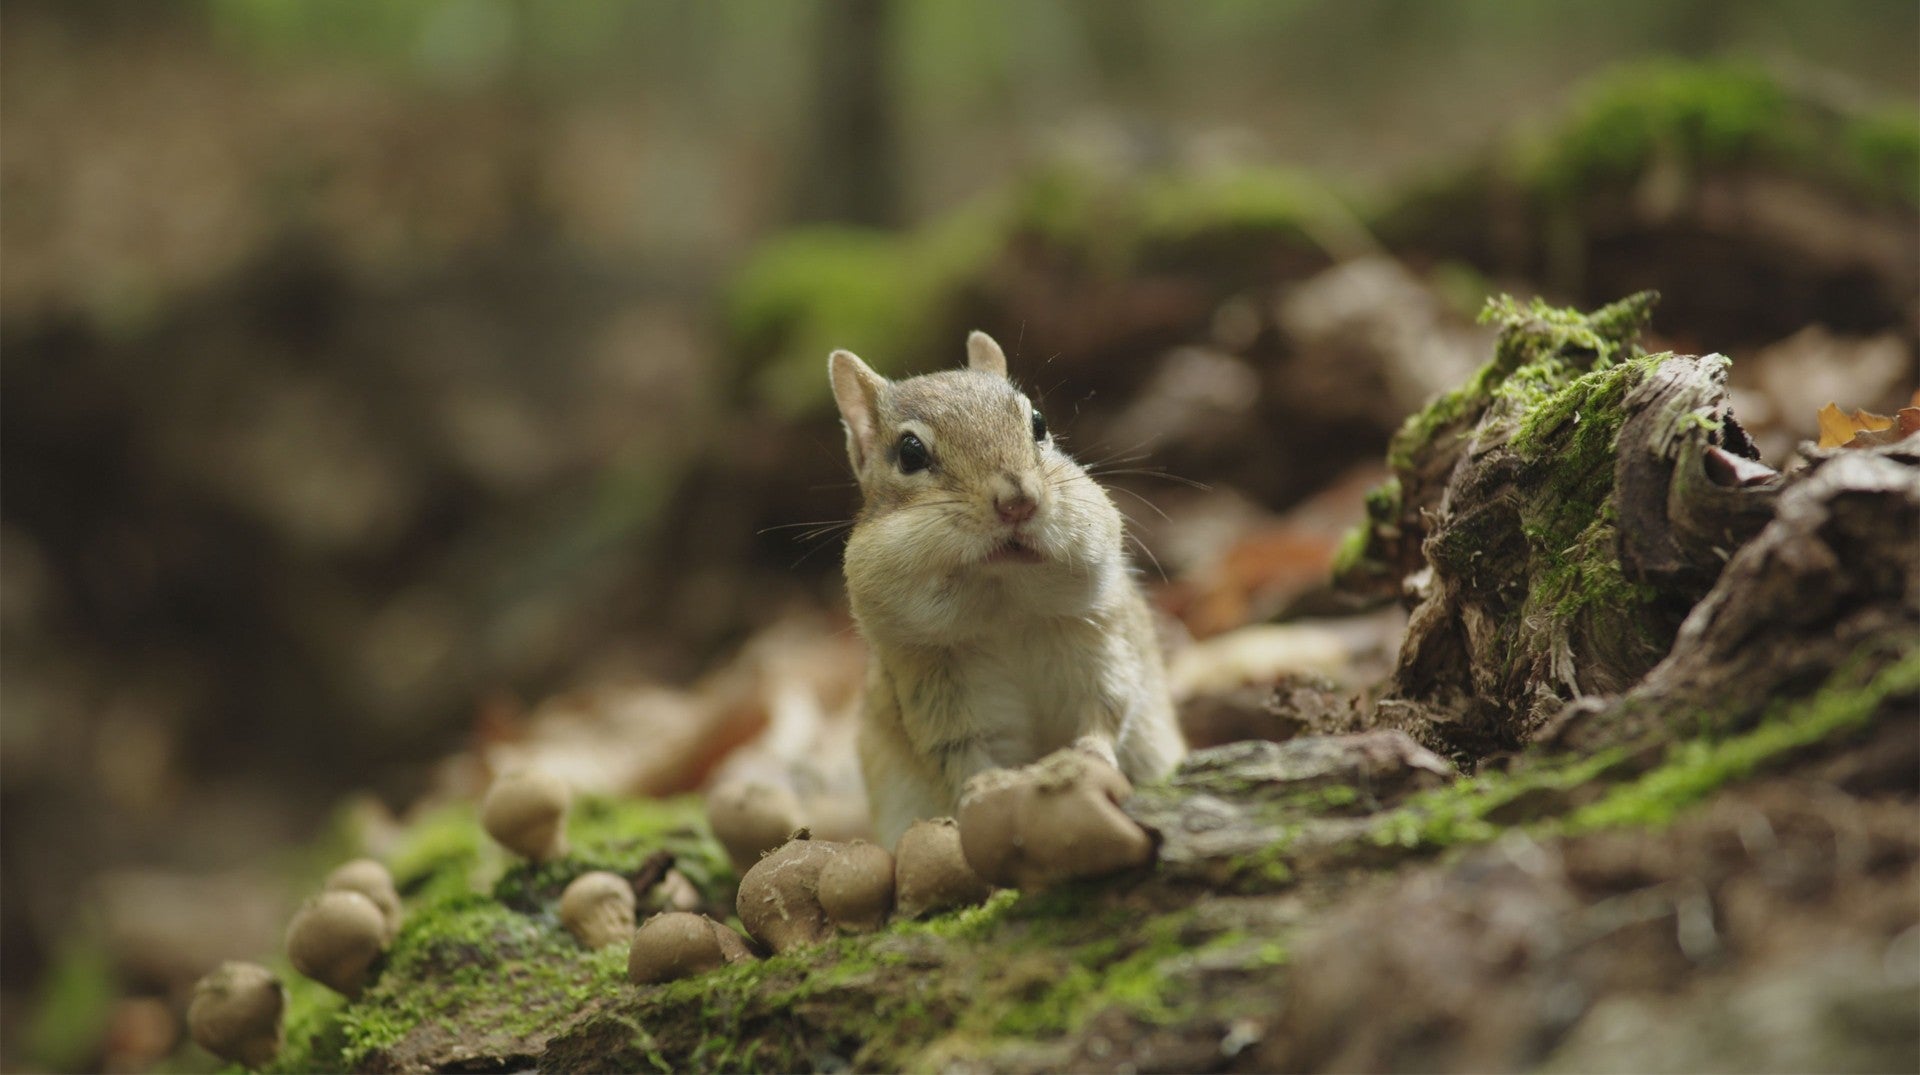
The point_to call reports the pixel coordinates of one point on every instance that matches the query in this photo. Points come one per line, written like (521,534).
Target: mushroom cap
(779,899)
(1056,820)
(856,887)
(235,1013)
(526,812)
(597,908)
(371,879)
(678,944)
(334,939)
(751,818)
(673,892)
(990,808)
(930,872)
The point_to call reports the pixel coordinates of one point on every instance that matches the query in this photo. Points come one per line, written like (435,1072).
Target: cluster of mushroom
(526,812)
(805,891)
(1056,820)
(598,908)
(1030,828)
(1033,827)
(335,938)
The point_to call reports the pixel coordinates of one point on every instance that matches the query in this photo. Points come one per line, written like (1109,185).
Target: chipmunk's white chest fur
(1038,678)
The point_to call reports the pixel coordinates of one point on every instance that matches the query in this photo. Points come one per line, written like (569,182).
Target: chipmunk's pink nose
(1015,508)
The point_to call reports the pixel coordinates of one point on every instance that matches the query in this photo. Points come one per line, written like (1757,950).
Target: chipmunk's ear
(856,389)
(984,354)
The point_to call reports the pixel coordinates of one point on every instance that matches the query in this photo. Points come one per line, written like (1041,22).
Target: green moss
(1694,770)
(70,1015)
(1465,812)
(1584,576)
(475,965)
(1128,971)
(1269,869)
(443,854)
(1018,968)
(1350,556)
(1698,116)
(1884,145)
(1565,397)
(886,295)
(316,1040)
(879,294)
(1540,351)
(968,924)
(1572,438)
(481,947)
(1449,413)
(620,835)
(1357,558)
(1554,388)
(808,292)
(1251,200)
(1461,812)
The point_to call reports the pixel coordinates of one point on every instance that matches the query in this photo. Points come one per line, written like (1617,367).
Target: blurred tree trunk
(853,171)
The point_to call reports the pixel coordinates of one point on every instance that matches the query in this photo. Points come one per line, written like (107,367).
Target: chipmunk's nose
(1012,498)
(1017,508)
(1013,501)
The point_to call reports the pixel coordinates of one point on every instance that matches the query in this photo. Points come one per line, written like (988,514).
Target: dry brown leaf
(1863,429)
(1838,428)
(1905,424)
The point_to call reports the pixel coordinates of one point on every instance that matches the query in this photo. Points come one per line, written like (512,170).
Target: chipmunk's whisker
(796,526)
(1141,499)
(824,531)
(1148,553)
(1156,472)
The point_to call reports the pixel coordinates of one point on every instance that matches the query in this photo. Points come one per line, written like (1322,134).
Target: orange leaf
(1837,427)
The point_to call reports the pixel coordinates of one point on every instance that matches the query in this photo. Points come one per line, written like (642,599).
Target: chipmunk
(986,573)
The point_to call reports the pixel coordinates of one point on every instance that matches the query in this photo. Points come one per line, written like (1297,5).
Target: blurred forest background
(373,371)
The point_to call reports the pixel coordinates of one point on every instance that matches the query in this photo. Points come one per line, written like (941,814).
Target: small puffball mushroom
(930,872)
(597,908)
(526,812)
(856,887)
(678,944)
(370,879)
(235,1013)
(751,818)
(779,900)
(1055,820)
(334,939)
(673,892)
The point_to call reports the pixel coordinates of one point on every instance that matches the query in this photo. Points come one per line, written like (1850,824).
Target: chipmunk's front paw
(1055,820)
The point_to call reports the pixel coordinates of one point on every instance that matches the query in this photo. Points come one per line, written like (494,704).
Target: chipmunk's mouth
(1014,551)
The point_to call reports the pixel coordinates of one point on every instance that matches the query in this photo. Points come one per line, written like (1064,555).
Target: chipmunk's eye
(1039,426)
(912,454)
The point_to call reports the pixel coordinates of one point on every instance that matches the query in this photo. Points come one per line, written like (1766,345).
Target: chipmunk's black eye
(912,454)
(1039,426)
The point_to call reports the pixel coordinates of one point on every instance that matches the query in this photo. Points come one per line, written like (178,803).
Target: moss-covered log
(1297,892)
(1681,824)
(1554,522)
(1506,524)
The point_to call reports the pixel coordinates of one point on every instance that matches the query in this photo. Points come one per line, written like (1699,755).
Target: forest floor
(1600,755)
